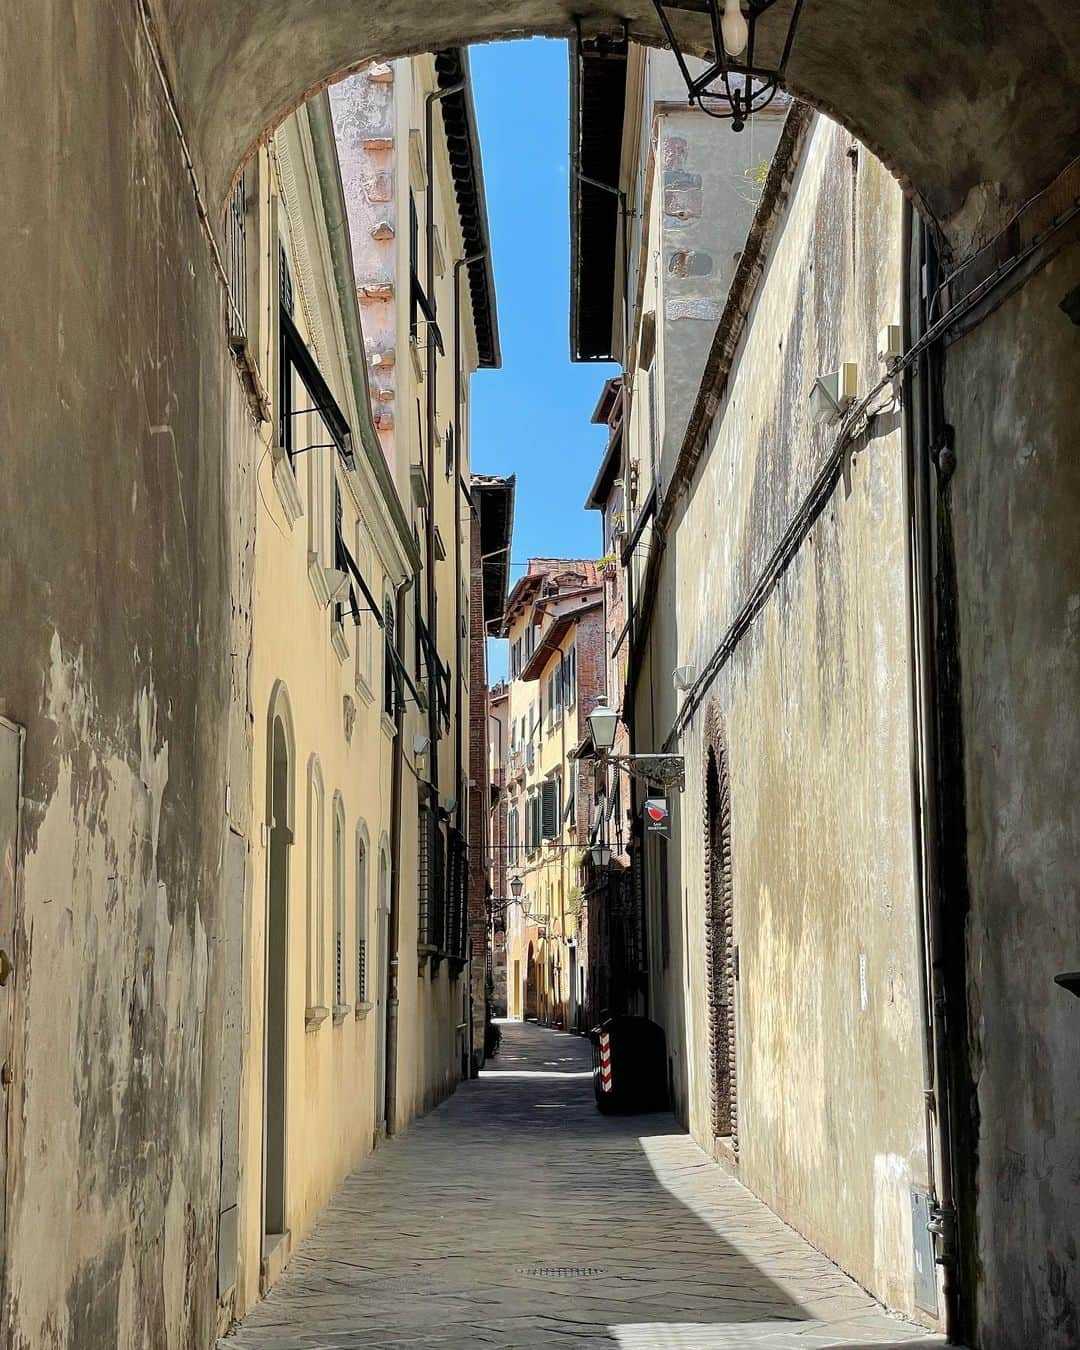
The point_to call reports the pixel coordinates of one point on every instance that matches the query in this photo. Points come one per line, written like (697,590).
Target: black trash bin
(629,1066)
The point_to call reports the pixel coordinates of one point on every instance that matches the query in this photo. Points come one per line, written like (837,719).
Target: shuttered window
(549,809)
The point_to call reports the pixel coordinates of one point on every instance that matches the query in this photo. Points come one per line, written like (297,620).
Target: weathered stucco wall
(814,710)
(124,576)
(1009,562)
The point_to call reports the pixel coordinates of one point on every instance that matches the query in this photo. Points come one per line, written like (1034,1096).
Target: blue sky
(531,417)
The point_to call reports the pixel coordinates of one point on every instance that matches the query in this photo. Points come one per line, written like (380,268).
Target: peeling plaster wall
(1008,534)
(124,579)
(814,706)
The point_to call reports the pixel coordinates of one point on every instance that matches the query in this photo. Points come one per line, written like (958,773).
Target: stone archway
(720,937)
(906,80)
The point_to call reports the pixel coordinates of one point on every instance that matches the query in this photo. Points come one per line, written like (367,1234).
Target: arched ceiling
(972,103)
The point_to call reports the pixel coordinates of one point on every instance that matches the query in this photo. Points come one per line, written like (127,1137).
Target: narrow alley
(517,1215)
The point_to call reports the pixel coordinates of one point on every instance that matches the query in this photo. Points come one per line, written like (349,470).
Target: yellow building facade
(554,627)
(355,858)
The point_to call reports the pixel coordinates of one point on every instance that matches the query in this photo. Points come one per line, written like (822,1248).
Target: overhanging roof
(597,99)
(463,147)
(610,461)
(493,499)
(549,643)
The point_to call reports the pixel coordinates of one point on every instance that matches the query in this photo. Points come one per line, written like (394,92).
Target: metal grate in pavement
(560,1272)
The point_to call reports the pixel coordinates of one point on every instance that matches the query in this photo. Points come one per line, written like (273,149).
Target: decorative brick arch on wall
(719,931)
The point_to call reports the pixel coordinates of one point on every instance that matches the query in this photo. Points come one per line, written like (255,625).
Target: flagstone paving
(516,1215)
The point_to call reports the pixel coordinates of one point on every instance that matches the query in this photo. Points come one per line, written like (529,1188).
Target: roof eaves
(463,147)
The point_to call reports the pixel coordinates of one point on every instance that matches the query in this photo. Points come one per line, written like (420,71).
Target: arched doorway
(720,940)
(280,798)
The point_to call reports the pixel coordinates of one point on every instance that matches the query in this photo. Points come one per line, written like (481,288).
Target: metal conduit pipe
(917,440)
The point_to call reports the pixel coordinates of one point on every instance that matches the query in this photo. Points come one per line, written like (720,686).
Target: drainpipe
(393,939)
(917,441)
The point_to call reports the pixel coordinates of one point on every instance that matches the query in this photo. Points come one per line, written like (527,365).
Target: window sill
(341,1011)
(339,642)
(364,689)
(288,490)
(389,726)
(417,359)
(317,576)
(362,1009)
(424,953)
(315,1017)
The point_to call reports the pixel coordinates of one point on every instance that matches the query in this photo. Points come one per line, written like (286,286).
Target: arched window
(316,886)
(361,915)
(340,1007)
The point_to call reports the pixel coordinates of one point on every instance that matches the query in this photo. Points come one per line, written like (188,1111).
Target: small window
(236,262)
(361,918)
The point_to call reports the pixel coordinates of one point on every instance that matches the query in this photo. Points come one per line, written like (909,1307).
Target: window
(361,916)
(389,657)
(515,659)
(569,677)
(571,794)
(449,451)
(236,261)
(339,907)
(364,620)
(513,826)
(316,921)
(414,267)
(549,808)
(532,823)
(423,876)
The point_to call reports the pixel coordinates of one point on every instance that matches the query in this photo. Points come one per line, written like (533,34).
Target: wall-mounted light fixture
(682,677)
(665,770)
(600,855)
(833,394)
(742,81)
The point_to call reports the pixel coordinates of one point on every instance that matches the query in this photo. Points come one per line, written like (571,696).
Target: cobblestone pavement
(516,1215)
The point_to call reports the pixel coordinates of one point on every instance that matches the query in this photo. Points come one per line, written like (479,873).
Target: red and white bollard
(605,1062)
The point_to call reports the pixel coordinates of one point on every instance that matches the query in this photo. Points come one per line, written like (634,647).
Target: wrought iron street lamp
(665,770)
(600,855)
(735,76)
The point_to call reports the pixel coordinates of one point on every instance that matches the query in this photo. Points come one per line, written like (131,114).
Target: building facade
(413,185)
(356,978)
(780,913)
(554,627)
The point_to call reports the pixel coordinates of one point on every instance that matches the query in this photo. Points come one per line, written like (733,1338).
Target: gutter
(332,196)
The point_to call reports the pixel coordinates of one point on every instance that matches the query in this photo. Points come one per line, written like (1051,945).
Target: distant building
(493,526)
(554,626)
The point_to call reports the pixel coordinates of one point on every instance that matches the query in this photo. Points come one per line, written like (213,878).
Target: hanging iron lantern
(745,86)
